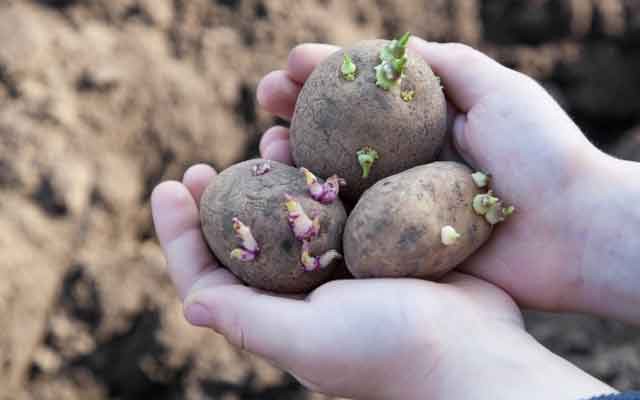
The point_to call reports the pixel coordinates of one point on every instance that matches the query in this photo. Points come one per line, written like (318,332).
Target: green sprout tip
(404,40)
(393,60)
(481,179)
(491,208)
(396,48)
(366,157)
(348,68)
(407,95)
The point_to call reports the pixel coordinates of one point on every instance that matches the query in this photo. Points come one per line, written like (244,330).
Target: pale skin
(571,246)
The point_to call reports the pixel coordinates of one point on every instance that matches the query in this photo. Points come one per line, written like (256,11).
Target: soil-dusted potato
(419,223)
(345,117)
(249,214)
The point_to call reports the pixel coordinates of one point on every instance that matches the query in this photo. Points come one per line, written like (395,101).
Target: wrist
(505,362)
(556,378)
(608,239)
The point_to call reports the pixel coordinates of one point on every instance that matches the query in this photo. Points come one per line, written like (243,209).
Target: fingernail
(197,314)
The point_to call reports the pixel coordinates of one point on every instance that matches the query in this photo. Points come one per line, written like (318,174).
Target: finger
(449,152)
(459,141)
(467,74)
(177,224)
(277,93)
(274,145)
(452,113)
(279,150)
(196,179)
(305,57)
(268,325)
(494,298)
(271,135)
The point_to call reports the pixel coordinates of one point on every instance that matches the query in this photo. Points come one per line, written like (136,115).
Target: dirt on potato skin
(335,118)
(395,229)
(100,100)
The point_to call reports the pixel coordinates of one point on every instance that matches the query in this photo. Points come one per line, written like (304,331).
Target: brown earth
(102,99)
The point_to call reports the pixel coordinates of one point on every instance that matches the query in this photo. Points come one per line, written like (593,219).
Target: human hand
(374,338)
(572,244)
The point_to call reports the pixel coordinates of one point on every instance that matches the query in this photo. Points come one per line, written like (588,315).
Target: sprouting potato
(418,223)
(273,226)
(367,112)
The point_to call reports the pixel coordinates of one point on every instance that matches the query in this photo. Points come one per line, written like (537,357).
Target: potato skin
(258,202)
(394,230)
(335,118)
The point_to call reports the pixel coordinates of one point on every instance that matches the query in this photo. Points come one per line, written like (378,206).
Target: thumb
(507,117)
(267,325)
(467,74)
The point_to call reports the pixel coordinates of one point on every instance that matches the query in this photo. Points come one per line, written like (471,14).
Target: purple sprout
(249,248)
(261,169)
(303,227)
(325,193)
(311,263)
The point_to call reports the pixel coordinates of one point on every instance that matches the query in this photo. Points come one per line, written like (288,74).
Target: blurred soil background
(102,99)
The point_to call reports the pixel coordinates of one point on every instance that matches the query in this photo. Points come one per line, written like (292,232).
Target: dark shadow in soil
(246,105)
(48,199)
(515,22)
(80,297)
(154,176)
(117,363)
(58,3)
(8,82)
(289,389)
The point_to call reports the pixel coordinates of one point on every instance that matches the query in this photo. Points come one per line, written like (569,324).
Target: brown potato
(334,118)
(257,201)
(396,228)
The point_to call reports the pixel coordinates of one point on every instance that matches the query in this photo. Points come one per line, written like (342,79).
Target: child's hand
(376,338)
(572,244)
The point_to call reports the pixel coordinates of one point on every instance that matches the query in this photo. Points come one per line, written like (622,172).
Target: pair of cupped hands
(572,246)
